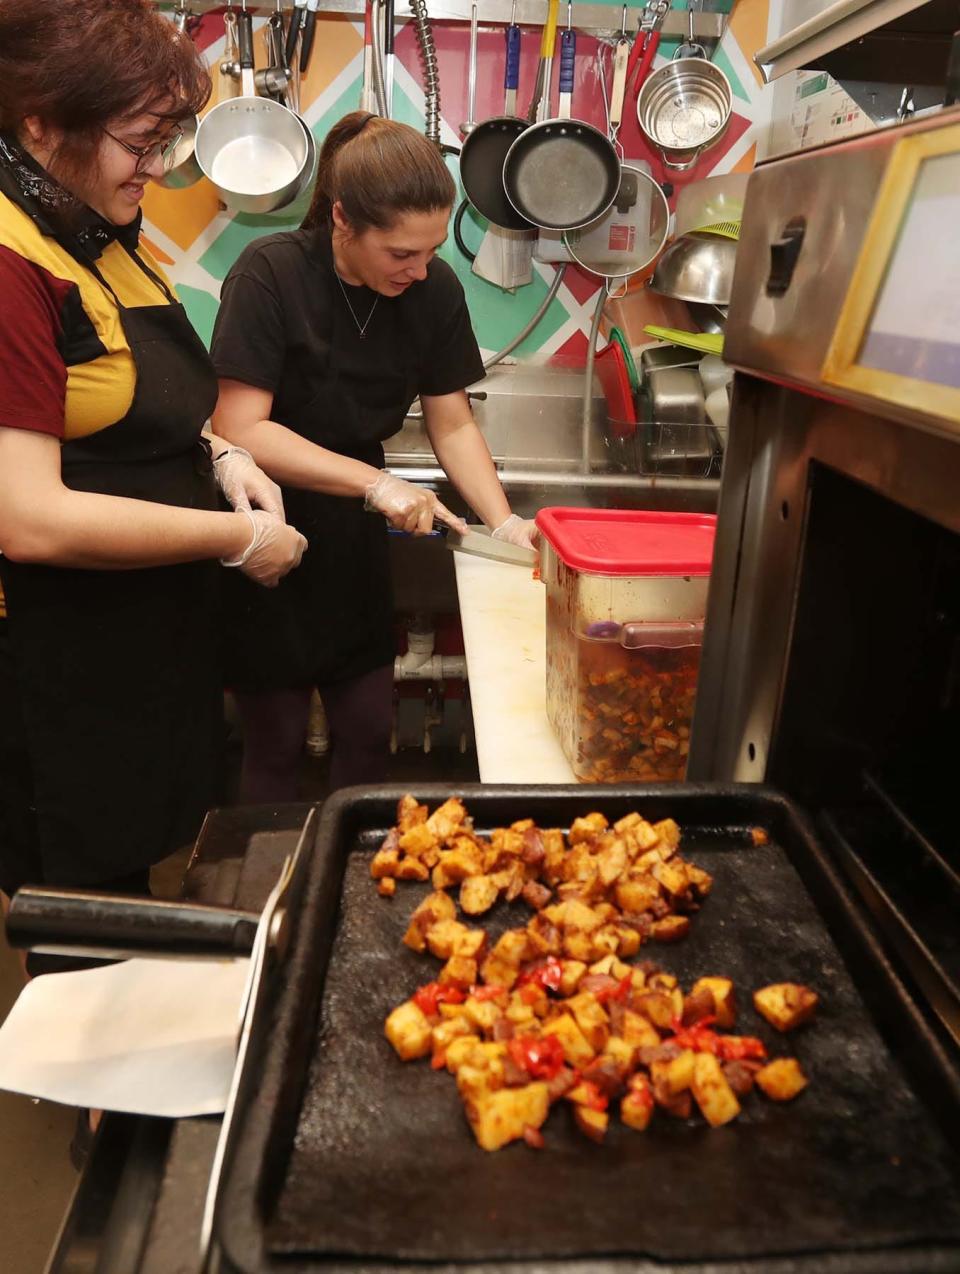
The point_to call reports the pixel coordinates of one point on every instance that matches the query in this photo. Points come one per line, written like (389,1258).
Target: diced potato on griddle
(672,876)
(442,937)
(620,1052)
(410,813)
(636,1109)
(385,861)
(482,1013)
(668,833)
(782,1079)
(513,947)
(612,861)
(412,869)
(459,971)
(418,841)
(409,1031)
(593,1123)
(474,1082)
(386,887)
(444,1034)
(586,829)
(465,859)
(497,972)
(592,1019)
(447,819)
(676,1074)
(660,1007)
(670,928)
(501,1117)
(629,941)
(459,1050)
(436,907)
(700,880)
(712,1093)
(472,944)
(724,998)
(638,1032)
(572,1040)
(578,945)
(478,894)
(637,894)
(785,1004)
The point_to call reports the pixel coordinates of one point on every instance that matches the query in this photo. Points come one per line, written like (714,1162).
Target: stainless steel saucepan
(254,150)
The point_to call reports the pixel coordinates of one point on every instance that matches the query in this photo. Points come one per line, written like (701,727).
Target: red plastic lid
(631,541)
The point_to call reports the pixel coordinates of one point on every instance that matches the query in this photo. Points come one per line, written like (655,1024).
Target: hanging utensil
(252,149)
(690,48)
(368,94)
(561,173)
(389,56)
(294,29)
(618,91)
(274,80)
(471,121)
(486,147)
(307,34)
(646,44)
(684,108)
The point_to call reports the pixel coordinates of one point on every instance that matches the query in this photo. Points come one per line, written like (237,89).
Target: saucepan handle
(83,922)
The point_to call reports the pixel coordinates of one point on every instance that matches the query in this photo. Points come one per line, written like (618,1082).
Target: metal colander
(683,108)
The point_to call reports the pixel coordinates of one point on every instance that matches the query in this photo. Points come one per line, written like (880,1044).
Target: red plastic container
(626,598)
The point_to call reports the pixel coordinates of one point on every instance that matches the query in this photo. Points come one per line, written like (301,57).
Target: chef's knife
(478,542)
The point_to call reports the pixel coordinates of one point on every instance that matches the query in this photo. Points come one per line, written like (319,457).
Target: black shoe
(81,1141)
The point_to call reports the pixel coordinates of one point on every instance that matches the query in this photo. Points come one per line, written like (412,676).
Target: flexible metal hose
(431,71)
(522,336)
(587,418)
(376,59)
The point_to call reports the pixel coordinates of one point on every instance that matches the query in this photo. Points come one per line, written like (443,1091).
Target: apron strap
(154,278)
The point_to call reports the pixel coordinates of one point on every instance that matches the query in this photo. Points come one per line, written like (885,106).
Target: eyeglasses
(147,154)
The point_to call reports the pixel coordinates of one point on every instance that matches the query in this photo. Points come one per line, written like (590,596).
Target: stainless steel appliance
(831,665)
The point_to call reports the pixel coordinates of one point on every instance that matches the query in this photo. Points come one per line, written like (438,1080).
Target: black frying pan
(485,149)
(562,174)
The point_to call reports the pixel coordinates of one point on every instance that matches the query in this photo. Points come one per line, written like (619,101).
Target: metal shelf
(586,17)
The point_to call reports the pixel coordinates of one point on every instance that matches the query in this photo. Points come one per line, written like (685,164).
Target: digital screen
(915,327)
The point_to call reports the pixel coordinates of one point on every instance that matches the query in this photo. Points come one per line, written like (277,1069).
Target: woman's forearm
(295,461)
(465,458)
(102,532)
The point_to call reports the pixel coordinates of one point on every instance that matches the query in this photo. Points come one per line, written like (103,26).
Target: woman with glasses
(111,527)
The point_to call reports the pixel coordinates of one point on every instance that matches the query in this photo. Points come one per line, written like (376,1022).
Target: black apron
(117,672)
(331,619)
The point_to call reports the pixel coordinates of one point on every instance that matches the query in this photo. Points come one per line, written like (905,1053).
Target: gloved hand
(519,531)
(244,484)
(408,507)
(275,549)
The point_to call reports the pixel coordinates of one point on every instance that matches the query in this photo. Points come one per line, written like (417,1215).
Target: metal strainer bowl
(683,108)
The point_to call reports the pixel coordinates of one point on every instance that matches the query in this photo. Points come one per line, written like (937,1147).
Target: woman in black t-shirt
(325,337)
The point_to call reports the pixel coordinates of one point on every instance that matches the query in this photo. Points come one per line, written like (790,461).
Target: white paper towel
(151,1037)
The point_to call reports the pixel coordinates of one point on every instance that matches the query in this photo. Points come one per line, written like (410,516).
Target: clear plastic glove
(275,549)
(519,531)
(244,484)
(408,507)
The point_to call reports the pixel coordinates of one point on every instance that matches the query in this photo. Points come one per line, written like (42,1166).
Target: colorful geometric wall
(198,241)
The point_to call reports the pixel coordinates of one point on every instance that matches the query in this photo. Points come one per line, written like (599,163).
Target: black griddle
(344,1157)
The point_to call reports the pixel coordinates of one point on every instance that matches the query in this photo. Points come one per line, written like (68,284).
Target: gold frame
(840,366)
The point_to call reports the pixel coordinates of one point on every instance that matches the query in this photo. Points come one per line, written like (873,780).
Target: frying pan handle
(116,926)
(568,59)
(276,23)
(309,31)
(511,77)
(619,90)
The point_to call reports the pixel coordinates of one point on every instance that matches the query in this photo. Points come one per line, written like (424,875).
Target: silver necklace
(361,329)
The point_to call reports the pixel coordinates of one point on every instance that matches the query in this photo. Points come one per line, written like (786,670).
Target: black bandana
(55,211)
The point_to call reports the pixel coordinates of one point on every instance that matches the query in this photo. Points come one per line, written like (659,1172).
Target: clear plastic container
(626,598)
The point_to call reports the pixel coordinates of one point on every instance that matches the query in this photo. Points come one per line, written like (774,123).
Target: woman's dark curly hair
(79,64)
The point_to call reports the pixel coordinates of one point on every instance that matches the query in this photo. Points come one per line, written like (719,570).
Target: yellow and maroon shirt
(65,366)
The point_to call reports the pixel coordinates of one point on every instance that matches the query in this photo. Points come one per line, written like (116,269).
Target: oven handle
(80,922)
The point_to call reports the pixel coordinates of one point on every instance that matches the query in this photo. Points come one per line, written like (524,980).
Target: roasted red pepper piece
(548,973)
(596,1100)
(739,1048)
(432,994)
(482,993)
(618,992)
(541,1057)
(731,1048)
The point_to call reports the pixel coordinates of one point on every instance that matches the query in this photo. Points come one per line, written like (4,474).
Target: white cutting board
(503,614)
